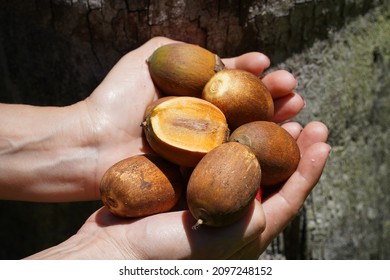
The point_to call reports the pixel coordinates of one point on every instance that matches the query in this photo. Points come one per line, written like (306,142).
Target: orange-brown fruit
(183,129)
(223,185)
(183,69)
(240,95)
(276,150)
(140,186)
(156,102)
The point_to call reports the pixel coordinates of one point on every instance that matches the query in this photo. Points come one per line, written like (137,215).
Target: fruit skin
(276,150)
(199,125)
(152,105)
(240,95)
(223,185)
(141,185)
(183,69)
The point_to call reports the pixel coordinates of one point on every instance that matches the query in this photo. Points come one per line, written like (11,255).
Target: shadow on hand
(208,242)
(204,243)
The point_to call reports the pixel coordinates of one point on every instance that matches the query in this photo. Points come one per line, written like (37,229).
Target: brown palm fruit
(276,150)
(240,95)
(183,129)
(183,69)
(140,186)
(223,185)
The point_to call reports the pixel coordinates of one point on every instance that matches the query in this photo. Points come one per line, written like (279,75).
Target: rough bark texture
(346,85)
(75,42)
(56,52)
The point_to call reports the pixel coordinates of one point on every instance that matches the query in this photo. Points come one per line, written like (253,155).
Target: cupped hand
(116,108)
(170,235)
(282,205)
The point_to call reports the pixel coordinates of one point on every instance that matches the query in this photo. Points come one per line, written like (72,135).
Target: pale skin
(58,154)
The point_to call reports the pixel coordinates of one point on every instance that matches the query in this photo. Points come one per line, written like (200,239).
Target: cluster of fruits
(213,120)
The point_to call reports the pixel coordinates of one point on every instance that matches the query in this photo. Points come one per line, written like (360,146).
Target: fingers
(314,132)
(253,62)
(287,104)
(287,107)
(285,204)
(280,83)
(282,206)
(293,128)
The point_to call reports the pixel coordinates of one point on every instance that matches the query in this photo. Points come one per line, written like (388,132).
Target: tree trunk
(56,52)
(62,48)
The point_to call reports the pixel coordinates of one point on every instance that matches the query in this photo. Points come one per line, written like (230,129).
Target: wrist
(73,248)
(45,154)
(85,246)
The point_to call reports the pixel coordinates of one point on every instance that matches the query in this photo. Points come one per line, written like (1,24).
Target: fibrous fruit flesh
(183,129)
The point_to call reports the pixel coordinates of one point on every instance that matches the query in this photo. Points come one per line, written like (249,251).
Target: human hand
(170,235)
(116,108)
(282,205)
(56,154)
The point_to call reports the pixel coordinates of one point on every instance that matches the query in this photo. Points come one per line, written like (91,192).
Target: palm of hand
(117,109)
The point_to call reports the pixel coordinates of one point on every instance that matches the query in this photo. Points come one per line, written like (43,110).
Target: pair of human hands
(115,111)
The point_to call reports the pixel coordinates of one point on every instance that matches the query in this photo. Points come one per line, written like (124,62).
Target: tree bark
(62,48)
(345,83)
(55,52)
